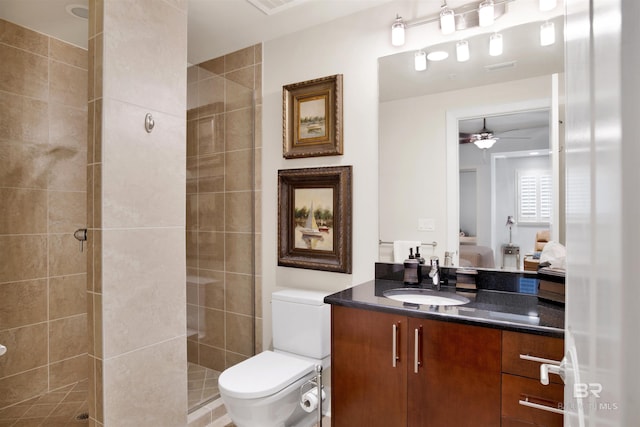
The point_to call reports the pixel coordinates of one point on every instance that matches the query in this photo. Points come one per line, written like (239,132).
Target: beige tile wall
(223,208)
(43,151)
(135,198)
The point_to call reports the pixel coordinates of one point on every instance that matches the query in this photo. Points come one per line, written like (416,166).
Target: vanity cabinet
(456,381)
(368,378)
(393,370)
(522,355)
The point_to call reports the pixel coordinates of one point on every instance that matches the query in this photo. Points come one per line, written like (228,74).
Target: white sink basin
(425,296)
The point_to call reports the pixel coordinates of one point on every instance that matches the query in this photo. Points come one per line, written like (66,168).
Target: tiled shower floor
(203,385)
(61,407)
(56,409)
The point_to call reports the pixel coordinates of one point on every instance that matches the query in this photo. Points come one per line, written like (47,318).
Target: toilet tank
(301,323)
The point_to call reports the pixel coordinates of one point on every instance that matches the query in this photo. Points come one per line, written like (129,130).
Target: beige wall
(42,201)
(137,303)
(223,207)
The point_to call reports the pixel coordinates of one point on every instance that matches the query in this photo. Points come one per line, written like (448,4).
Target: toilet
(264,390)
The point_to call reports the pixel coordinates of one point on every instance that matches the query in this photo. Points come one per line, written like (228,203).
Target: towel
(401,249)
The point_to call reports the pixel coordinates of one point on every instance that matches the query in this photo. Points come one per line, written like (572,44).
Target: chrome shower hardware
(81,235)
(149,123)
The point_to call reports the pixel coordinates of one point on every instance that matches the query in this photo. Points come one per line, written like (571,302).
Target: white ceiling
(215,27)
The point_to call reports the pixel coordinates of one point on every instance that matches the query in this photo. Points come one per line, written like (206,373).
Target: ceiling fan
(484,138)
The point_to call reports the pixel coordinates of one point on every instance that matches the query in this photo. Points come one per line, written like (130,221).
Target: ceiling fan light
(547,34)
(495,44)
(484,144)
(420,60)
(447,21)
(546,5)
(462,51)
(397,32)
(485,13)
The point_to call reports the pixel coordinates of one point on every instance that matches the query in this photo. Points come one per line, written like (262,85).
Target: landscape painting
(313,213)
(314,218)
(312,118)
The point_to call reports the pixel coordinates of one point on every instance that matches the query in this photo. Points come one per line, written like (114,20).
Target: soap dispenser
(421,260)
(412,270)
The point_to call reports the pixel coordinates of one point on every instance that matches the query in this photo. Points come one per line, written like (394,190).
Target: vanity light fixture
(547,5)
(495,44)
(447,20)
(462,51)
(397,32)
(485,13)
(420,60)
(481,13)
(547,34)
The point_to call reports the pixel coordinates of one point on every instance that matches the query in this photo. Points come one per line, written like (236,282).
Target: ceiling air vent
(500,66)
(271,7)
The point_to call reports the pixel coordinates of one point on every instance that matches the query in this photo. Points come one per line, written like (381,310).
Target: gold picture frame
(312,118)
(314,219)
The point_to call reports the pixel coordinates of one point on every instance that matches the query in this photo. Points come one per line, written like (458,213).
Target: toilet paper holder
(312,398)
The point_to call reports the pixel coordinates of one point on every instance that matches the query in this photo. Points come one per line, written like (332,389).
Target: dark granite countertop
(489,308)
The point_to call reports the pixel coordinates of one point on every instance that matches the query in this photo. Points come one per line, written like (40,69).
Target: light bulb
(397,32)
(547,34)
(495,44)
(462,51)
(546,5)
(420,60)
(437,55)
(485,13)
(447,21)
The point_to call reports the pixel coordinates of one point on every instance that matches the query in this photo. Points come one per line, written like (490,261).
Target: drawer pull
(541,407)
(394,345)
(539,359)
(417,351)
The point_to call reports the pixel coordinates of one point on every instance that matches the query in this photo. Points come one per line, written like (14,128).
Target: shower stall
(48,170)
(222,217)
(43,271)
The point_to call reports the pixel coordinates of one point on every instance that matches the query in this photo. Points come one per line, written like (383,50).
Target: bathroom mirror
(421,115)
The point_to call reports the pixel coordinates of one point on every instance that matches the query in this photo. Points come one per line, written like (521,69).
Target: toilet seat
(262,375)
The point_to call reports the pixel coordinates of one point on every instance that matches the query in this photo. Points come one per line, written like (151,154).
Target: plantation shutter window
(534,198)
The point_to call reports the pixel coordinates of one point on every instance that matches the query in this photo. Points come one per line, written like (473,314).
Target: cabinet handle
(539,359)
(417,351)
(394,345)
(541,407)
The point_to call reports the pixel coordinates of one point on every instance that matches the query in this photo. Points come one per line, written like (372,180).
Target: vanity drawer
(515,389)
(515,344)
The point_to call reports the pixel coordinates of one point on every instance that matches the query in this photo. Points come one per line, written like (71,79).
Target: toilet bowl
(265,390)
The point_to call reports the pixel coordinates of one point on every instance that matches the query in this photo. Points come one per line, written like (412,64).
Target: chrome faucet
(435,272)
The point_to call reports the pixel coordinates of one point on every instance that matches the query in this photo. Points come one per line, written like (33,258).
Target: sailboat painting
(313,211)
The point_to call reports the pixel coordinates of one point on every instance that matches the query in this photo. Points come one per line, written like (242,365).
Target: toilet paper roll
(309,400)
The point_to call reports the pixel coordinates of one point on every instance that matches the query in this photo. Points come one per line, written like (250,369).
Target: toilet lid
(262,375)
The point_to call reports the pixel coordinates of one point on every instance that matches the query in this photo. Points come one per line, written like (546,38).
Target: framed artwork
(312,118)
(314,220)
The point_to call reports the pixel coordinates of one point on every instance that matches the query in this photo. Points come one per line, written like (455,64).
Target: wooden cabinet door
(458,378)
(367,390)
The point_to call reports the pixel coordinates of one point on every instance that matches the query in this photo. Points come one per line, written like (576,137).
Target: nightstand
(511,250)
